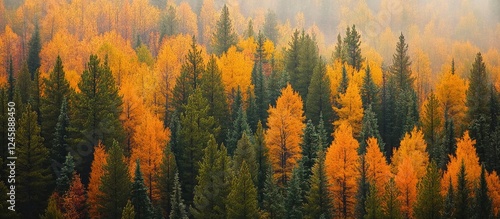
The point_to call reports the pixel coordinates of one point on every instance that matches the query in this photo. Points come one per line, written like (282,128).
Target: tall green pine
(309,147)
(242,200)
(373,204)
(35,46)
(318,202)
(60,142)
(165,179)
(318,97)
(224,36)
(363,189)
(431,121)
(271,26)
(463,201)
(168,23)
(482,202)
(240,126)
(352,43)
(429,200)
(369,129)
(178,207)
(139,195)
(369,91)
(273,201)
(262,160)
(11,81)
(245,152)
(65,176)
(449,203)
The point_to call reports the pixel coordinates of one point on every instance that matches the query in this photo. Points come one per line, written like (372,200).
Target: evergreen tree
(128,211)
(34,98)
(400,68)
(23,85)
(431,123)
(318,97)
(463,200)
(175,130)
(251,112)
(139,196)
(449,143)
(52,211)
(60,137)
(344,81)
(213,90)
(115,187)
(324,138)
(213,183)
(339,52)
(224,36)
(308,57)
(363,189)
(237,101)
(165,179)
(262,160)
(292,57)
(11,80)
(373,204)
(369,129)
(4,122)
(240,126)
(493,142)
(449,204)
(168,23)
(178,208)
(391,205)
(191,71)
(293,200)
(197,127)
(477,94)
(318,199)
(482,207)
(33,175)
(271,26)
(249,32)
(35,46)
(98,108)
(245,152)
(258,81)
(369,91)
(273,202)
(429,201)
(353,48)
(309,147)
(65,175)
(242,200)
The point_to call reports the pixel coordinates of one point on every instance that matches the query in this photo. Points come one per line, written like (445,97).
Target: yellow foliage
(378,171)
(187,19)
(248,47)
(406,181)
(351,109)
(412,147)
(236,70)
(451,93)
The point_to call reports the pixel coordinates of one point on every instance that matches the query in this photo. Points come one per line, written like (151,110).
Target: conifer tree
(449,203)
(213,90)
(249,32)
(33,175)
(308,58)
(4,122)
(391,205)
(23,85)
(482,202)
(242,200)
(258,80)
(429,200)
(373,204)
(139,195)
(369,128)
(293,200)
(310,148)
(251,112)
(369,91)
(34,98)
(197,127)
(463,200)
(52,211)
(353,48)
(449,143)
(165,179)
(97,171)
(431,125)
(35,46)
(178,208)
(98,107)
(363,188)
(11,81)
(74,200)
(224,36)
(245,151)
(115,184)
(273,201)
(318,96)
(318,201)
(213,183)
(344,82)
(168,23)
(61,134)
(339,54)
(323,136)
(128,211)
(262,160)
(271,26)
(64,179)
(400,68)
(240,126)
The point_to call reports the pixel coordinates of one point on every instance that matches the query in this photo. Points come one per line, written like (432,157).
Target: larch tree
(318,96)
(242,200)
(74,200)
(115,187)
(373,204)
(350,110)
(224,35)
(493,182)
(413,148)
(341,165)
(97,110)
(128,211)
(96,173)
(319,201)
(429,203)
(32,166)
(283,137)
(378,172)
(52,211)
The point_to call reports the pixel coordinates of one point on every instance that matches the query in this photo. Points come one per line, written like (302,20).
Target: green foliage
(449,204)
(318,97)
(178,208)
(339,53)
(52,211)
(309,147)
(65,177)
(449,142)
(115,184)
(197,127)
(11,81)
(60,137)
(352,48)
(144,55)
(273,203)
(240,126)
(242,200)
(139,196)
(23,85)
(34,98)
(429,200)
(373,204)
(477,93)
(249,32)
(213,183)
(318,199)
(33,175)
(400,69)
(35,46)
(344,81)
(293,200)
(369,91)
(390,204)
(258,80)
(224,36)
(482,202)
(369,129)
(463,201)
(251,112)
(300,59)
(363,190)
(165,179)
(128,211)
(245,152)
(271,26)
(262,161)
(168,23)
(431,122)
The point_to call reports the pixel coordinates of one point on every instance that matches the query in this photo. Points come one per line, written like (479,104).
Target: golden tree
(378,171)
(406,181)
(351,109)
(412,146)
(97,171)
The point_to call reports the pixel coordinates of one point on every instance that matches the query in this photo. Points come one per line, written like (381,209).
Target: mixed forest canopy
(250,109)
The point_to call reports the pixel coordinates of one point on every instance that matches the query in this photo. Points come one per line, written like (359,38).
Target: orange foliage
(208,21)
(236,70)
(466,152)
(450,91)
(150,139)
(74,200)
(413,147)
(493,182)
(9,44)
(97,171)
(284,135)
(351,109)
(342,163)
(132,113)
(406,182)
(378,171)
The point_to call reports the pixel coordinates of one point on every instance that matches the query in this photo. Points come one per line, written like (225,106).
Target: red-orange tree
(378,171)
(96,173)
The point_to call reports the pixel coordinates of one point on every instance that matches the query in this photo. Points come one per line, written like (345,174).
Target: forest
(249,109)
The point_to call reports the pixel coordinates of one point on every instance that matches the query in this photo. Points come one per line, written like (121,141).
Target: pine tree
(344,81)
(262,160)
(178,208)
(400,68)
(449,203)
(65,175)
(251,111)
(339,52)
(191,71)
(197,127)
(23,86)
(128,211)
(369,129)
(271,26)
(310,148)
(4,122)
(168,23)
(318,97)
(60,139)
(11,80)
(373,204)
(493,142)
(139,195)
(318,201)
(353,48)
(213,90)
(369,91)
(323,136)
(477,94)
(245,151)
(273,202)
(35,46)
(33,175)
(449,143)
(98,108)
(482,207)
(74,200)
(115,184)
(431,125)
(293,200)
(363,189)
(237,101)
(429,200)
(52,211)
(249,32)
(165,179)
(242,200)
(34,98)
(224,36)
(308,57)
(463,200)
(258,80)
(213,183)
(391,205)
(240,126)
